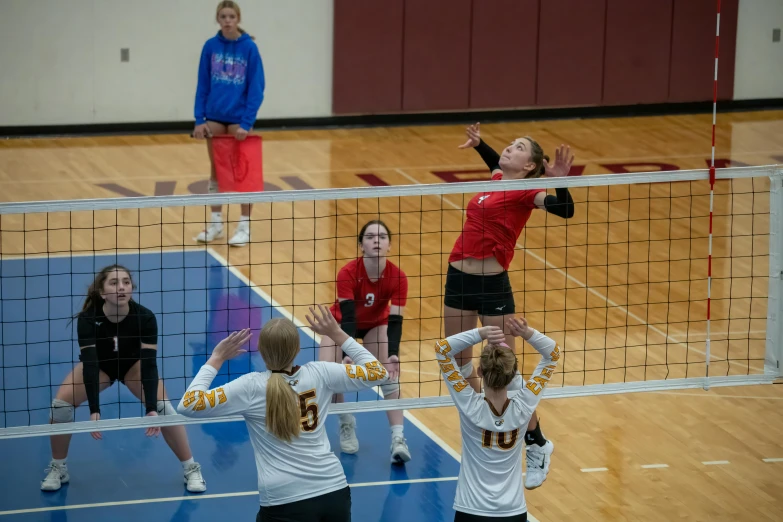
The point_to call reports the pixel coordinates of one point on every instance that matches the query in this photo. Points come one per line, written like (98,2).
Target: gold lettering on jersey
(443,347)
(555,355)
(375,371)
(532,386)
(446,368)
(360,373)
(201,404)
(189,399)
(349,371)
(221,396)
(538,382)
(455,376)
(211,398)
(460,386)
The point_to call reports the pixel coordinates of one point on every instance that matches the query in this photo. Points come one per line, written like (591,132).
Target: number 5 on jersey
(309,410)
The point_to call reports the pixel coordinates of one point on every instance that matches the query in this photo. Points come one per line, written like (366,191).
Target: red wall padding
(571,52)
(638,45)
(367,70)
(693,50)
(503,53)
(436,56)
(728,47)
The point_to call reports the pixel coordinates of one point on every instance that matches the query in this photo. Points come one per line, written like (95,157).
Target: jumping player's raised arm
(487,153)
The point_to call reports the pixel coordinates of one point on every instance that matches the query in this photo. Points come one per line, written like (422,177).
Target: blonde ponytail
(278,344)
(282,410)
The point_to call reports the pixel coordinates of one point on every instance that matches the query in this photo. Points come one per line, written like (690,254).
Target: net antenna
(712,189)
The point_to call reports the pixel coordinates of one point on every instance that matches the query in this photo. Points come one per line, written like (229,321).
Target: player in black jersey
(118,338)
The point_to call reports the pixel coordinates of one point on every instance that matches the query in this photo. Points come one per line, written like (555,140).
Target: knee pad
(212,186)
(165,408)
(466,369)
(390,387)
(61,411)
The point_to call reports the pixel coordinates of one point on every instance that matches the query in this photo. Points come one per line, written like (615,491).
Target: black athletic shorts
(464,517)
(224,123)
(116,368)
(361,333)
(485,294)
(332,507)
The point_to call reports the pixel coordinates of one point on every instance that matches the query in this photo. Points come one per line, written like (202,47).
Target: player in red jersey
(371,296)
(477,282)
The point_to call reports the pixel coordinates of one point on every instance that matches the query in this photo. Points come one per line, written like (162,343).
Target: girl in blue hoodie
(229,93)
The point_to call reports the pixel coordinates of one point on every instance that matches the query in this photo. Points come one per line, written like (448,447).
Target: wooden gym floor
(622,285)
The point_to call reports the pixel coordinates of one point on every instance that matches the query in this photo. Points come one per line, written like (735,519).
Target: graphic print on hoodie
(230,81)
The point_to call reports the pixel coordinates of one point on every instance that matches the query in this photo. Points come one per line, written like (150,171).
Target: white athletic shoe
(538,458)
(195,482)
(240,238)
(348,441)
(212,232)
(56,476)
(400,453)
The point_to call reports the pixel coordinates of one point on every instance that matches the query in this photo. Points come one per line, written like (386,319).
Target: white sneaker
(241,237)
(195,482)
(348,441)
(212,232)
(399,451)
(538,458)
(56,476)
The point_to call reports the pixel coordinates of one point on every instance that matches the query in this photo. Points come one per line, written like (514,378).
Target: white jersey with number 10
(490,476)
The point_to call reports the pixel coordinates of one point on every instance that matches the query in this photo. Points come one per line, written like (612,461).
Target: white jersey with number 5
(490,476)
(306,467)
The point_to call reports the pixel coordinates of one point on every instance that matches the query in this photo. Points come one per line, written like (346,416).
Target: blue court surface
(198,299)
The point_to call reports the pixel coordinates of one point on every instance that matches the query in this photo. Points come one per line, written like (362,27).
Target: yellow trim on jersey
(375,371)
(201,398)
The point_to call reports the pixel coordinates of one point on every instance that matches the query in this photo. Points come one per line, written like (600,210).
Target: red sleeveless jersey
(493,224)
(371,298)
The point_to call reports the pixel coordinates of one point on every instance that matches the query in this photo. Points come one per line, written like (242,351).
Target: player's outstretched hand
(492,334)
(518,327)
(474,136)
(232,345)
(562,165)
(322,321)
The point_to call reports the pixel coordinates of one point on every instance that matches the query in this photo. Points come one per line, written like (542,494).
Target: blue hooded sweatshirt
(230,81)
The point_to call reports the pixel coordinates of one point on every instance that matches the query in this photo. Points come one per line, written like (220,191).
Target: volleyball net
(622,286)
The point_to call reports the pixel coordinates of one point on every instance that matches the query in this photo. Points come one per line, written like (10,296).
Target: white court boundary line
(606,299)
(207,497)
(720,396)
